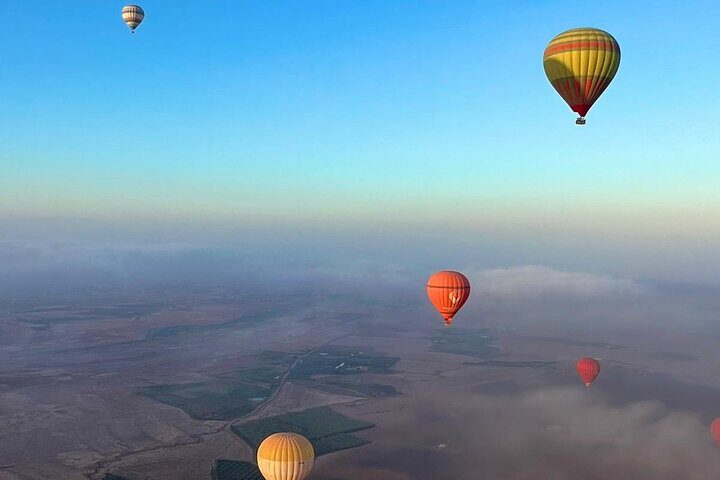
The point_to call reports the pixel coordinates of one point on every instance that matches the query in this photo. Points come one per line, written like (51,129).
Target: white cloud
(534,281)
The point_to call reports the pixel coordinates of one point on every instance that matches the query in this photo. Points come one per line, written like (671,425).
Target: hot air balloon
(448,291)
(588,369)
(285,456)
(715,430)
(580,63)
(133,16)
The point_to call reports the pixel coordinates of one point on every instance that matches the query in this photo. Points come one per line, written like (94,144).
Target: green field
(233,325)
(473,343)
(235,470)
(326,429)
(335,443)
(335,360)
(88,315)
(162,333)
(362,389)
(213,400)
(122,311)
(237,393)
(227,396)
(268,376)
(512,364)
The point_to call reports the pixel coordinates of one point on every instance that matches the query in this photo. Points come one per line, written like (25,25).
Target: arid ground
(151,384)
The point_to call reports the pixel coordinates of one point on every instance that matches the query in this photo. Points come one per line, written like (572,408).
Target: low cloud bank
(562,434)
(27,266)
(535,281)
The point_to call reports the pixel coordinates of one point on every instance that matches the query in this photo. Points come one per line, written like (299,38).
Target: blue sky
(429,114)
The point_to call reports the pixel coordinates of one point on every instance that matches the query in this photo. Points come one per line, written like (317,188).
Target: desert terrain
(163,383)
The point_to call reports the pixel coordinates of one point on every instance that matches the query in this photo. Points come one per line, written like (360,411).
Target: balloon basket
(580,121)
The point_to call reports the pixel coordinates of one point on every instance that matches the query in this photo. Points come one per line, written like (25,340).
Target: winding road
(226,426)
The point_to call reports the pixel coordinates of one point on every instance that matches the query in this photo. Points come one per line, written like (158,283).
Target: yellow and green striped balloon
(580,63)
(285,456)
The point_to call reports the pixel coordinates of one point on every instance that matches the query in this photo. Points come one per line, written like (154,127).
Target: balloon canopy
(133,16)
(715,430)
(580,64)
(448,291)
(588,369)
(285,456)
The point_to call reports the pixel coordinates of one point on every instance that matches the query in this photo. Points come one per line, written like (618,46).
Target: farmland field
(236,393)
(326,429)
(212,400)
(359,388)
(473,343)
(342,361)
(235,470)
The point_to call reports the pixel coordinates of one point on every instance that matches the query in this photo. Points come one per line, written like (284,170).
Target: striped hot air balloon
(588,369)
(448,291)
(133,16)
(285,456)
(580,63)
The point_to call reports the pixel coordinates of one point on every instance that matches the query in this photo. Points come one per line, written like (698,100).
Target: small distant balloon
(133,16)
(588,369)
(448,291)
(285,456)
(715,430)
(580,64)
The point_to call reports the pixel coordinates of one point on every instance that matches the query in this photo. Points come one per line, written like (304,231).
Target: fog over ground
(656,339)
(558,433)
(37,252)
(29,264)
(516,293)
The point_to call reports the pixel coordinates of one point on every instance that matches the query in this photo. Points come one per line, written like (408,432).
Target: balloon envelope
(715,430)
(285,456)
(448,291)
(133,16)
(580,64)
(588,369)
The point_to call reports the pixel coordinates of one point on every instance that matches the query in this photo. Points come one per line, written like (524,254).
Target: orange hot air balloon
(588,369)
(285,456)
(580,64)
(448,291)
(715,430)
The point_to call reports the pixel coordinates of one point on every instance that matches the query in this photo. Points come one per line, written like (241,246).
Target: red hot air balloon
(448,291)
(588,369)
(715,430)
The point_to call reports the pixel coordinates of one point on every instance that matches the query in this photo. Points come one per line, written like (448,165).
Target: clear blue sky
(359,112)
